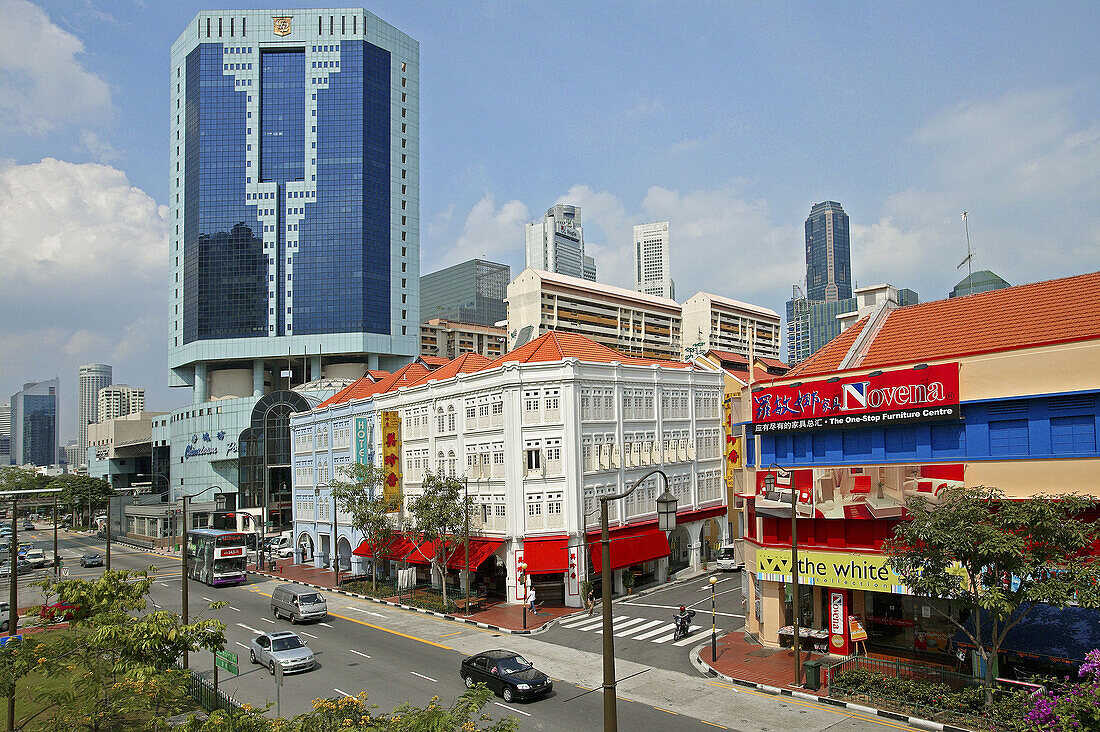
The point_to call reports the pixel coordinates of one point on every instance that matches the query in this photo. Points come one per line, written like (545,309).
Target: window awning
(480,550)
(400,546)
(629,545)
(546,555)
(1060,635)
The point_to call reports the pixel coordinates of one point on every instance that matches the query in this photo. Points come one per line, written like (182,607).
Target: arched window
(440,463)
(451,460)
(451,419)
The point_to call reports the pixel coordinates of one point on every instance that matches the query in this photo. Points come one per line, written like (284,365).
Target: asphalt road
(643,624)
(397,656)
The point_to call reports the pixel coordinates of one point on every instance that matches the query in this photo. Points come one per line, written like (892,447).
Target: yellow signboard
(831,569)
(391,456)
(734,454)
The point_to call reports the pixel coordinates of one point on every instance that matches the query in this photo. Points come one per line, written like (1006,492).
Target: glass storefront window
(903,623)
(806,614)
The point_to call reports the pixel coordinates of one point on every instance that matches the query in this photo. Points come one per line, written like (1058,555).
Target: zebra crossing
(642,629)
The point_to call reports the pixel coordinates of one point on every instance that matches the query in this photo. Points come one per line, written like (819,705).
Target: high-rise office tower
(467,292)
(556,244)
(5,434)
(294,233)
(34,422)
(295,193)
(92,378)
(828,253)
(118,400)
(652,274)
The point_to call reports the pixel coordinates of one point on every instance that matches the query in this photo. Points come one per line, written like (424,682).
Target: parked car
(5,531)
(298,603)
(22,566)
(24,547)
(4,617)
(283,648)
(91,559)
(28,526)
(36,558)
(506,673)
(58,612)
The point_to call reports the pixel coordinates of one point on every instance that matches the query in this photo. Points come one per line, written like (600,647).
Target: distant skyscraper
(652,274)
(469,292)
(981,281)
(93,377)
(828,253)
(5,434)
(556,244)
(118,400)
(34,421)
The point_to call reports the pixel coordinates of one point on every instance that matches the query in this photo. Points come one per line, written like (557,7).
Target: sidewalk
(747,661)
(507,617)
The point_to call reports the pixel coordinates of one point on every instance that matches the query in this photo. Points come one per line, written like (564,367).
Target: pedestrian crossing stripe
(642,629)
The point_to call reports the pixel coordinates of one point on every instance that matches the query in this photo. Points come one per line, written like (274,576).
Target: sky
(728,119)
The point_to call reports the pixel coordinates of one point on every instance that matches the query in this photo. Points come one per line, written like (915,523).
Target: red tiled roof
(365,387)
(377,374)
(464,364)
(434,361)
(774,363)
(729,356)
(558,345)
(1055,311)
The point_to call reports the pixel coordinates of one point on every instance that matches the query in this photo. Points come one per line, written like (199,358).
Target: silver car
(282,648)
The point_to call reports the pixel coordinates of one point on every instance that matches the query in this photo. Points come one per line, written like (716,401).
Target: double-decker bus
(216,557)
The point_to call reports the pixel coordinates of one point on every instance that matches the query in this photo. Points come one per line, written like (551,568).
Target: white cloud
(100,150)
(495,233)
(43,85)
(85,268)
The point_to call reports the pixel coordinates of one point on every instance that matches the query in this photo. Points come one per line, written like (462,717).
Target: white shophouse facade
(538,442)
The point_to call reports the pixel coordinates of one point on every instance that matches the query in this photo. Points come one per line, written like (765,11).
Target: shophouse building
(537,435)
(998,389)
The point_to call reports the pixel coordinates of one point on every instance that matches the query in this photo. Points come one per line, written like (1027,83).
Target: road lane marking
(162,584)
(326,624)
(268,621)
(624,624)
(513,709)
(392,632)
(645,626)
(667,711)
(712,724)
(308,635)
(692,639)
(677,607)
(207,599)
(457,632)
(429,678)
(707,586)
(237,609)
(242,645)
(650,633)
(341,691)
(361,610)
(357,653)
(251,630)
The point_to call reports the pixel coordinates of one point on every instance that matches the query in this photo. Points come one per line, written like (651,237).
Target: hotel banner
(391,456)
(877,399)
(363,449)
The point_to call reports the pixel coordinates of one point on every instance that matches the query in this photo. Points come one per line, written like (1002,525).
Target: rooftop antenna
(969,257)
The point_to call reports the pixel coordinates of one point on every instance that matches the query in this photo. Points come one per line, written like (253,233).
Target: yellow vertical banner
(734,459)
(391,456)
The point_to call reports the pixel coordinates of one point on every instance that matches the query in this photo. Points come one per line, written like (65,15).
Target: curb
(410,608)
(916,722)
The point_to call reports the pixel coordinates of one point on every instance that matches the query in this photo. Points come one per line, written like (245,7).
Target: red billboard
(878,399)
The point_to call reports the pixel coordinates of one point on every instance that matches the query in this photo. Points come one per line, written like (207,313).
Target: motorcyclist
(683,621)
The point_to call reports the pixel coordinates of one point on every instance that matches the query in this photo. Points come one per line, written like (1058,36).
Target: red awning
(629,545)
(702,513)
(399,547)
(480,550)
(546,555)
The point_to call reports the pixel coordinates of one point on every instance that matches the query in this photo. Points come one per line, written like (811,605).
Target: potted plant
(628,581)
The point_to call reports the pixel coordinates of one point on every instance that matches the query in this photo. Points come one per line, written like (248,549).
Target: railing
(906,670)
(202,691)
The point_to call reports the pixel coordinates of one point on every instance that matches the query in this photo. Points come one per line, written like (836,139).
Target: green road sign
(230,667)
(228,656)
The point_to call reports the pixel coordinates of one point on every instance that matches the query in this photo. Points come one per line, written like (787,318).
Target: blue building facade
(828,253)
(34,423)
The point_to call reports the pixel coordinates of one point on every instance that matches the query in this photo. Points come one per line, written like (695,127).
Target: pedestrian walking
(590,601)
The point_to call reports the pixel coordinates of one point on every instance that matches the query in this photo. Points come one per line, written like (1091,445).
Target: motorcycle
(683,624)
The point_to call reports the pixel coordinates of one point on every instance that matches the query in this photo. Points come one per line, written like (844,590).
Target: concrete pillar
(372,361)
(258,377)
(202,392)
(773,595)
(662,571)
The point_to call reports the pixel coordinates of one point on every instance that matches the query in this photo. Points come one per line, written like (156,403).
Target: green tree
(15,478)
(985,553)
(439,515)
(82,492)
(361,497)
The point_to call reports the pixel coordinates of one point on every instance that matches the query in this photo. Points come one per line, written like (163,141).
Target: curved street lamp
(666,521)
(183,557)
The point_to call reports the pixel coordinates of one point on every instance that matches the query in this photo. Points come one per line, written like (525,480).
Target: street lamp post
(522,567)
(666,521)
(183,559)
(713,625)
(796,601)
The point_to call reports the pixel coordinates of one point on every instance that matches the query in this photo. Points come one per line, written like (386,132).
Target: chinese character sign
(391,456)
(877,399)
(733,447)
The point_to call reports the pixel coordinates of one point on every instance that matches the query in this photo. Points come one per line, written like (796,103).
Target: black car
(91,559)
(507,673)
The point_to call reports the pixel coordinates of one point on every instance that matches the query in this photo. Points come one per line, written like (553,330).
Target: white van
(298,603)
(727,558)
(280,546)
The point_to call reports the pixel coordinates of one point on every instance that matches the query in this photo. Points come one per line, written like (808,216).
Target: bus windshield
(230,540)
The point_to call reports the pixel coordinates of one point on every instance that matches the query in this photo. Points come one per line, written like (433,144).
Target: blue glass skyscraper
(294,236)
(295,195)
(828,253)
